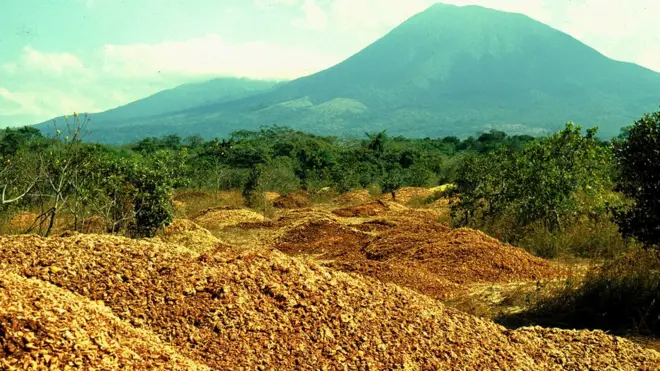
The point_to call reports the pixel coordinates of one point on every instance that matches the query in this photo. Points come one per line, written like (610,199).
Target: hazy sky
(59,56)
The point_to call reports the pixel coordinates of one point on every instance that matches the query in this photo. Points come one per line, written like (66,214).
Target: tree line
(516,181)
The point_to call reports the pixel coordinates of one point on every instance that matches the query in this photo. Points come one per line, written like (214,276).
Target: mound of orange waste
(440,203)
(412,275)
(45,327)
(369,209)
(406,194)
(409,248)
(296,200)
(254,310)
(324,238)
(355,197)
(419,214)
(462,256)
(415,252)
(189,234)
(225,216)
(376,225)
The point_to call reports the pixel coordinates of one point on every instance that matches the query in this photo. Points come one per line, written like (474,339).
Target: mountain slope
(188,96)
(446,71)
(168,102)
(451,67)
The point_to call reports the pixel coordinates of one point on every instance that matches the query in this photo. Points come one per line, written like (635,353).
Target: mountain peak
(449,70)
(465,9)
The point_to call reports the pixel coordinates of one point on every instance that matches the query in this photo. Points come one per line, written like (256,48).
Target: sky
(61,56)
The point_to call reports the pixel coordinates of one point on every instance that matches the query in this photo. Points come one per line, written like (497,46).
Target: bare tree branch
(4,200)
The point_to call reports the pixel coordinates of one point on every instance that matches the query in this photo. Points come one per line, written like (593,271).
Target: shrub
(638,161)
(276,176)
(153,180)
(543,189)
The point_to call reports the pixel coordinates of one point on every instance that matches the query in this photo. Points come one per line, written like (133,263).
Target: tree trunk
(51,222)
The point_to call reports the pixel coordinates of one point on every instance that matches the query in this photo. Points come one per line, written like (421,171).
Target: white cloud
(14,103)
(45,103)
(311,15)
(57,63)
(374,15)
(314,18)
(46,85)
(9,68)
(212,56)
(267,4)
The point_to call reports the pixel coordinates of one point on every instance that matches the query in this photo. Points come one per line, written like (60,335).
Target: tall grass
(621,296)
(585,238)
(195,200)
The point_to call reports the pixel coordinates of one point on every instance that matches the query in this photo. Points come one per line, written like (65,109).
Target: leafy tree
(19,168)
(173,142)
(12,140)
(539,184)
(154,179)
(393,180)
(147,145)
(130,186)
(112,193)
(638,161)
(377,142)
(193,142)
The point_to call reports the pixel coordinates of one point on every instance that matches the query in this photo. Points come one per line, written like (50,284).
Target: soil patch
(179,205)
(191,194)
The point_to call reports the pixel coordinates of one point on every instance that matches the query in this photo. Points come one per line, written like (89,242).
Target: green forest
(132,185)
(570,195)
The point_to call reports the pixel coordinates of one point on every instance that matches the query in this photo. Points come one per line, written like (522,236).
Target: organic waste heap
(228,309)
(409,248)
